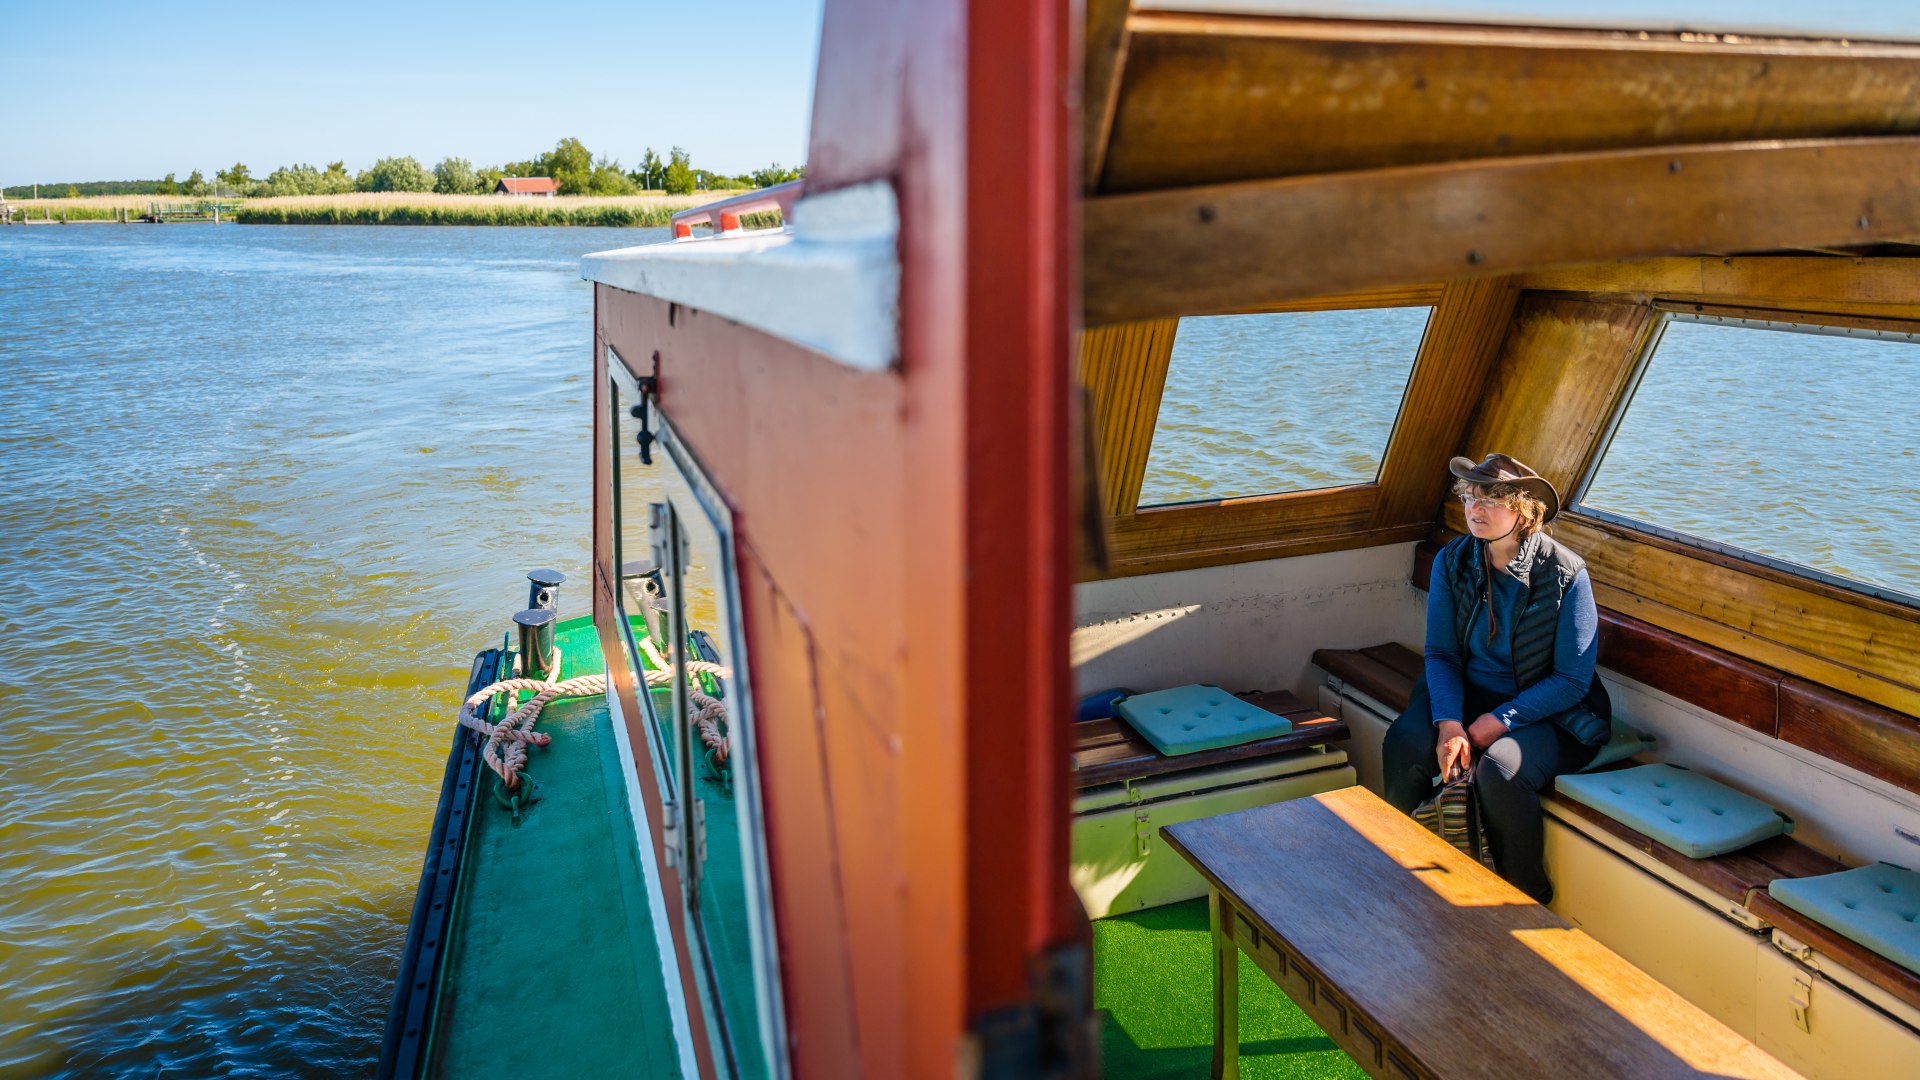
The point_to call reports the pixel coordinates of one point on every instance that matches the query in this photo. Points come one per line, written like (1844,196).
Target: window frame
(1464,334)
(625,389)
(1400,303)
(673,452)
(1665,314)
(757,880)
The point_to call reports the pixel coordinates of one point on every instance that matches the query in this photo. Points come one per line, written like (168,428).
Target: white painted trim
(829,282)
(655,888)
(1864,20)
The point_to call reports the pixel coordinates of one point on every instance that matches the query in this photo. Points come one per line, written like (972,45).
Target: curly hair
(1532,512)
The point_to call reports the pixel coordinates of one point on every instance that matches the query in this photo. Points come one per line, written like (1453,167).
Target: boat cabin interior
(1562,246)
(1128,355)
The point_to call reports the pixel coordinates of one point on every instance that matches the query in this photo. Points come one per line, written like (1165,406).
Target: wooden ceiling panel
(1876,286)
(1155,254)
(1560,369)
(1125,368)
(1215,99)
(1106,49)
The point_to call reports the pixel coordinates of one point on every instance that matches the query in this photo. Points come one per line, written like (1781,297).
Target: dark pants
(1511,774)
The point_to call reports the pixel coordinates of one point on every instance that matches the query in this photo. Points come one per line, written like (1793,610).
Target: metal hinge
(1803,1002)
(670,832)
(1792,946)
(700,832)
(1051,1036)
(1142,825)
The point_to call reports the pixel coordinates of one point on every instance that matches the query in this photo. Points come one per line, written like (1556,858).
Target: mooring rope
(506,748)
(713,711)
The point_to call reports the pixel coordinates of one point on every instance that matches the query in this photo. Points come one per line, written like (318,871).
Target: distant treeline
(91,187)
(577,171)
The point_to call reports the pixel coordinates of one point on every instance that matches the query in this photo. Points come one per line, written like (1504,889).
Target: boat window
(636,491)
(1786,443)
(1286,401)
(725,862)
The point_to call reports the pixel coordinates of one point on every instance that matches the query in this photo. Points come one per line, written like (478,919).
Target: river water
(269,488)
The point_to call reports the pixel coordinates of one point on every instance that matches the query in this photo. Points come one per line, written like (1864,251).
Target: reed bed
(400,208)
(389,208)
(94,207)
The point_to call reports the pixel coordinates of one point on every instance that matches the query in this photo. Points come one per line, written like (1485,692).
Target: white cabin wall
(1249,626)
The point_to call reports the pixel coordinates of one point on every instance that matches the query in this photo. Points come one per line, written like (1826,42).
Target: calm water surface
(268,489)
(1801,447)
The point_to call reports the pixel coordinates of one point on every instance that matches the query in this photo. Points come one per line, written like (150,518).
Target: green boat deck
(551,966)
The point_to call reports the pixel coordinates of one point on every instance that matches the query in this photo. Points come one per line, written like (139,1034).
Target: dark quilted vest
(1546,569)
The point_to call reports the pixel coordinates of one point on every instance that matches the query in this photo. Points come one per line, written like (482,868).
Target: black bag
(1453,814)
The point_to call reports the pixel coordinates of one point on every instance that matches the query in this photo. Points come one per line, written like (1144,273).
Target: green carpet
(1153,989)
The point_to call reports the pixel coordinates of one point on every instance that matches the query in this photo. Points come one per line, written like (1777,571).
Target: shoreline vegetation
(427,208)
(591,190)
(654,210)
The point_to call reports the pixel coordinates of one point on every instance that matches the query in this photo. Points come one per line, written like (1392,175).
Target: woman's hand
(1486,730)
(1454,750)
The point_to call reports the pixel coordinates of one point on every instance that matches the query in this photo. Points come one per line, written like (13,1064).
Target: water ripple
(268,490)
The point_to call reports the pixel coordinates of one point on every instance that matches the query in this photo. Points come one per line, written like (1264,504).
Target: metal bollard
(543,589)
(647,591)
(536,642)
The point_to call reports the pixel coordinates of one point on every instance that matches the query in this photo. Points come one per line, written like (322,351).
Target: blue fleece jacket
(1453,665)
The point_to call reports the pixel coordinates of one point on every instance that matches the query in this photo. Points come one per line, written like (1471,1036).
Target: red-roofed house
(527,186)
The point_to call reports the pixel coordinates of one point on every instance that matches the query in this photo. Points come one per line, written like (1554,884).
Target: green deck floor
(552,968)
(1153,990)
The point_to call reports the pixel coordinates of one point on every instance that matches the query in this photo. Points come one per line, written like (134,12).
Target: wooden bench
(1387,672)
(1738,879)
(1110,752)
(1418,962)
(1126,792)
(1858,734)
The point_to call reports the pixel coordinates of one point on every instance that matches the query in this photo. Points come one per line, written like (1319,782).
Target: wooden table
(1419,962)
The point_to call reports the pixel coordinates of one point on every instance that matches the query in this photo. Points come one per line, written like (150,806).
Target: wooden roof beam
(1107,39)
(1209,99)
(1225,246)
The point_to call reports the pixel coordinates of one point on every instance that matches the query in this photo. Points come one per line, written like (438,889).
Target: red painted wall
(903,545)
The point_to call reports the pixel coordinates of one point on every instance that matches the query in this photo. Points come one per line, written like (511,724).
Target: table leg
(1226,988)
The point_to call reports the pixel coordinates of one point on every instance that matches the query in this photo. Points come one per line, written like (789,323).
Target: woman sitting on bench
(1512,640)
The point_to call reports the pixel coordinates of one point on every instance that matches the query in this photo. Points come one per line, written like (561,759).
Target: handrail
(779,197)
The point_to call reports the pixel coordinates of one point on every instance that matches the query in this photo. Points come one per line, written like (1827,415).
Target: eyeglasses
(1471,501)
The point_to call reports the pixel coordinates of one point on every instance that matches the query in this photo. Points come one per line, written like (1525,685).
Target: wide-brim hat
(1501,469)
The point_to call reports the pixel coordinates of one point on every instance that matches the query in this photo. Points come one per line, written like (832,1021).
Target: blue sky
(112,91)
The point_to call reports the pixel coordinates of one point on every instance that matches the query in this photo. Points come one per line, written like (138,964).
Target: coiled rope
(505,751)
(712,714)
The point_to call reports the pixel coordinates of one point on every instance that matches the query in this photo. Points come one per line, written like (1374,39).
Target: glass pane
(720,895)
(1260,404)
(727,899)
(636,489)
(1802,447)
